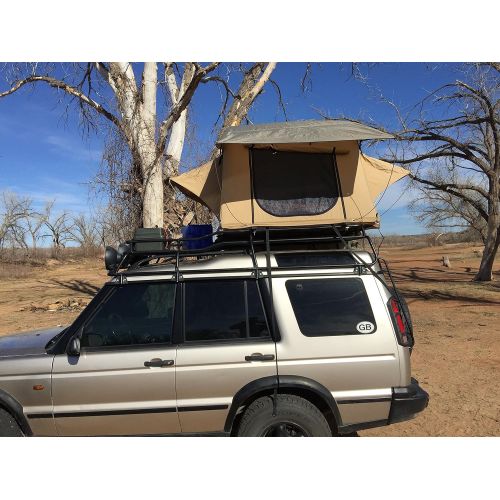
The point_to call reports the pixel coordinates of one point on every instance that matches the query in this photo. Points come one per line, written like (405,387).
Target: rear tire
(295,417)
(8,425)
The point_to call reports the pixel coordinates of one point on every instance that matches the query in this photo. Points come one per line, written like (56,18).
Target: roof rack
(133,255)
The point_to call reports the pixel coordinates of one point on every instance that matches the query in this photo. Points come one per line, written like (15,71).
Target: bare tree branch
(183,102)
(59,84)
(462,142)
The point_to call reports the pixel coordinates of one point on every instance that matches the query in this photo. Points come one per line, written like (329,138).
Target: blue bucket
(197,231)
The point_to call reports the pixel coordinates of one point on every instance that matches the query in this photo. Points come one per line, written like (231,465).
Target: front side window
(223,310)
(288,184)
(134,314)
(329,307)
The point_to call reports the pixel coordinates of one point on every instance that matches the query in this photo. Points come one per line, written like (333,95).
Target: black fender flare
(8,403)
(267,385)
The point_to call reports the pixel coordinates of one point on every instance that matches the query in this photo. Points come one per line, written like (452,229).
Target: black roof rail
(249,241)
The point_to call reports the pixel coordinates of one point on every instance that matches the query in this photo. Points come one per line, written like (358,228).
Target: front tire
(8,425)
(295,417)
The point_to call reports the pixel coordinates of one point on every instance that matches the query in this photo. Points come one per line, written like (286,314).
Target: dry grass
(9,270)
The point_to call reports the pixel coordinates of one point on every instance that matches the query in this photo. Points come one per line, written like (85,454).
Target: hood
(27,343)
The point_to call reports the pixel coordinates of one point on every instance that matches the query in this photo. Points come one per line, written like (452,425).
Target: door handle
(257,356)
(160,363)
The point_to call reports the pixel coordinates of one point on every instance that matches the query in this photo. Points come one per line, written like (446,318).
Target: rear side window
(223,310)
(329,307)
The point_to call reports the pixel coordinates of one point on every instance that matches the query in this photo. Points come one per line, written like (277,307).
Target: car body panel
(211,375)
(27,343)
(28,380)
(112,393)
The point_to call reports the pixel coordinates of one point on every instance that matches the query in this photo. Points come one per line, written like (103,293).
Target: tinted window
(134,314)
(289,183)
(326,307)
(223,310)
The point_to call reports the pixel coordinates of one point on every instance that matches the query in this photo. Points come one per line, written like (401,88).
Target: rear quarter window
(331,307)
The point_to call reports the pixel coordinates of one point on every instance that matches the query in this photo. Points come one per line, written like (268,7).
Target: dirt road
(457,329)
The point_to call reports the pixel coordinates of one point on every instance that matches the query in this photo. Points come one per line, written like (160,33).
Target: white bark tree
(132,109)
(112,91)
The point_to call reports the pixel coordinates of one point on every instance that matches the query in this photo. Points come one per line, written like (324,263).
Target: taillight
(401,331)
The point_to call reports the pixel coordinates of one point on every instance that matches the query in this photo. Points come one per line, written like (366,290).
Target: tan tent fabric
(202,185)
(380,174)
(226,186)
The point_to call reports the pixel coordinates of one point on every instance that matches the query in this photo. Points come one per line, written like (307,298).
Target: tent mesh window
(287,183)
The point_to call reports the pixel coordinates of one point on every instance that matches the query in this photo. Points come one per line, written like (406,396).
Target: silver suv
(277,337)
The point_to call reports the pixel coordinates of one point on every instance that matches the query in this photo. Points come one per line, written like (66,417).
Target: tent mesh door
(290,184)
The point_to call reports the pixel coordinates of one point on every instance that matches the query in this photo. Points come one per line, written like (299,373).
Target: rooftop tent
(292,174)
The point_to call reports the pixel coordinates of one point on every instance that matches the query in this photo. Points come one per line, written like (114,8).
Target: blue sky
(44,154)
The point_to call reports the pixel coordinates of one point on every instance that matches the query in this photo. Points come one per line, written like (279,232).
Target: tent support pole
(273,319)
(339,183)
(252,190)
(252,254)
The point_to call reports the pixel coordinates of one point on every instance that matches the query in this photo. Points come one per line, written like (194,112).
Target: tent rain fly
(292,174)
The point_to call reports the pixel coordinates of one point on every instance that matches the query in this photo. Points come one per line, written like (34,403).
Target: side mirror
(74,346)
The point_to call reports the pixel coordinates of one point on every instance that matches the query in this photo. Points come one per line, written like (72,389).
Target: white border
(386,30)
(201,468)
(226,30)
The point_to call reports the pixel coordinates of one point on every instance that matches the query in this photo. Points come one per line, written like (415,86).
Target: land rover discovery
(286,341)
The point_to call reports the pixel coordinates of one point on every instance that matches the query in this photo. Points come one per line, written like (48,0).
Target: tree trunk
(152,201)
(175,146)
(249,89)
(485,272)
(251,86)
(171,167)
(145,137)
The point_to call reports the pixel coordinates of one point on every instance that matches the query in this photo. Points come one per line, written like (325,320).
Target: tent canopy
(301,131)
(292,174)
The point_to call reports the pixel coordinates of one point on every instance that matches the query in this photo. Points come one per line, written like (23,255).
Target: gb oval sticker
(365,327)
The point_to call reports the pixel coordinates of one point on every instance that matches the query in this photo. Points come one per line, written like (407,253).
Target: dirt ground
(457,329)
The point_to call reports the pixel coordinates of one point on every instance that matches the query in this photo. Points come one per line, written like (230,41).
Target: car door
(123,381)
(226,344)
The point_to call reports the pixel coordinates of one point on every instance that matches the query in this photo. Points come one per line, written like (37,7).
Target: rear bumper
(407,402)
